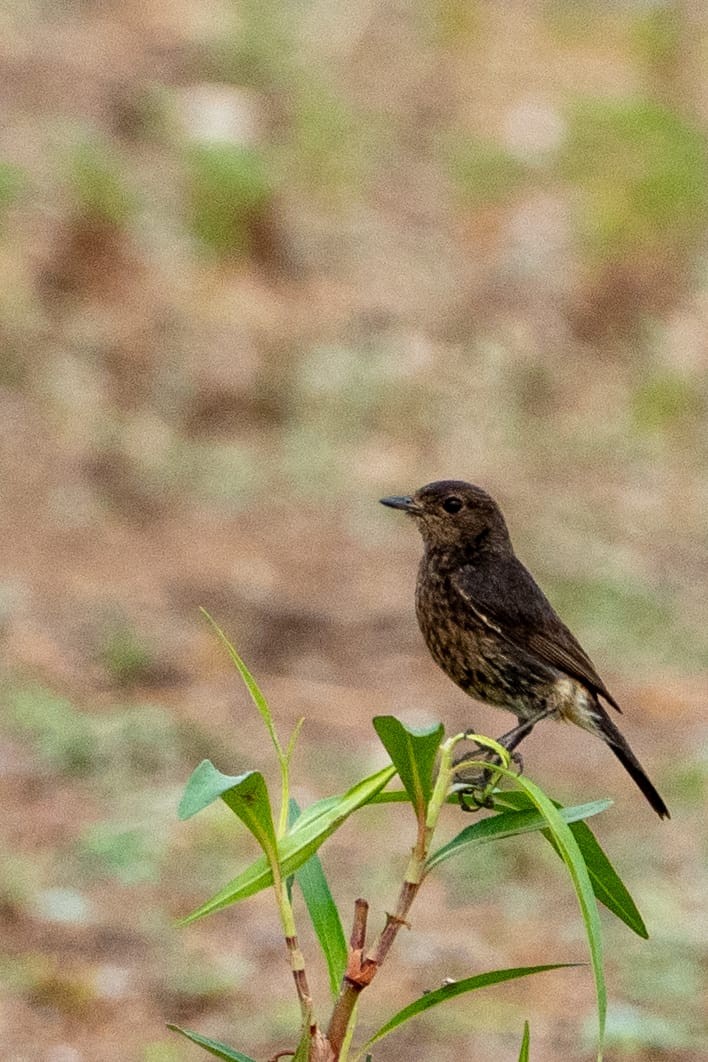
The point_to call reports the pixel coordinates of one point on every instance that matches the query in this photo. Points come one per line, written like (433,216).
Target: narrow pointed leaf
(293,739)
(315,811)
(246,795)
(325,918)
(323,915)
(573,859)
(458,988)
(525,1044)
(212,1046)
(607,885)
(296,847)
(393,796)
(509,824)
(250,683)
(413,753)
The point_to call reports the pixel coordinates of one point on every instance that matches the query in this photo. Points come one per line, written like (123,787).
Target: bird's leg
(513,738)
(509,741)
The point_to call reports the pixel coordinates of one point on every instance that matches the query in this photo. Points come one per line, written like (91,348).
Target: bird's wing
(521,614)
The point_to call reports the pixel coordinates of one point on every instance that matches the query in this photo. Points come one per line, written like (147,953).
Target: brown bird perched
(493,631)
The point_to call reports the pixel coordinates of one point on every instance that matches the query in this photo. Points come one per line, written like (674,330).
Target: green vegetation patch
(97,183)
(230,187)
(640,173)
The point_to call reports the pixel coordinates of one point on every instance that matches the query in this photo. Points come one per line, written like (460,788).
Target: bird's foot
(474,785)
(489,756)
(472,799)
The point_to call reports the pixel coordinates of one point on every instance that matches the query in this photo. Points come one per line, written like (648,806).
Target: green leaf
(608,887)
(457,988)
(246,795)
(525,1044)
(509,824)
(252,687)
(293,739)
(413,755)
(212,1046)
(205,785)
(320,807)
(323,914)
(296,847)
(573,859)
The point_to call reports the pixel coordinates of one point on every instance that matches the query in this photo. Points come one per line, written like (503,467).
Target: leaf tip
(192,798)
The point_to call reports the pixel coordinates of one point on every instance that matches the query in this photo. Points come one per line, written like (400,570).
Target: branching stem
(362,967)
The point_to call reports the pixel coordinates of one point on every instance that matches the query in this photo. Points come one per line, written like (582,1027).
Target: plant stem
(350,989)
(297,959)
(361,969)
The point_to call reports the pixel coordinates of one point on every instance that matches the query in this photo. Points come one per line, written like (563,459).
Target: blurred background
(263,263)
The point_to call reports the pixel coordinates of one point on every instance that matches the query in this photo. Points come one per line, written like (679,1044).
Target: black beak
(398,501)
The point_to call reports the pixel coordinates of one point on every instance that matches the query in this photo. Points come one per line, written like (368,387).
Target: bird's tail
(619,745)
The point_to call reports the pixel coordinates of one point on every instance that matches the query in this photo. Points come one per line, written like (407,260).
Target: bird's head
(453,513)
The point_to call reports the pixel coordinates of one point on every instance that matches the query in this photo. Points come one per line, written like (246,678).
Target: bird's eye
(452,505)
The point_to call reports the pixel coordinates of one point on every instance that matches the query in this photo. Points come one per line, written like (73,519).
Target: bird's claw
(518,760)
(472,799)
(475,785)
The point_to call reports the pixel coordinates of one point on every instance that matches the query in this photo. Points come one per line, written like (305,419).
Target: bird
(492,630)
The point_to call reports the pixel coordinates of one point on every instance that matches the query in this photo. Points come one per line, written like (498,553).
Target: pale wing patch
(575,705)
